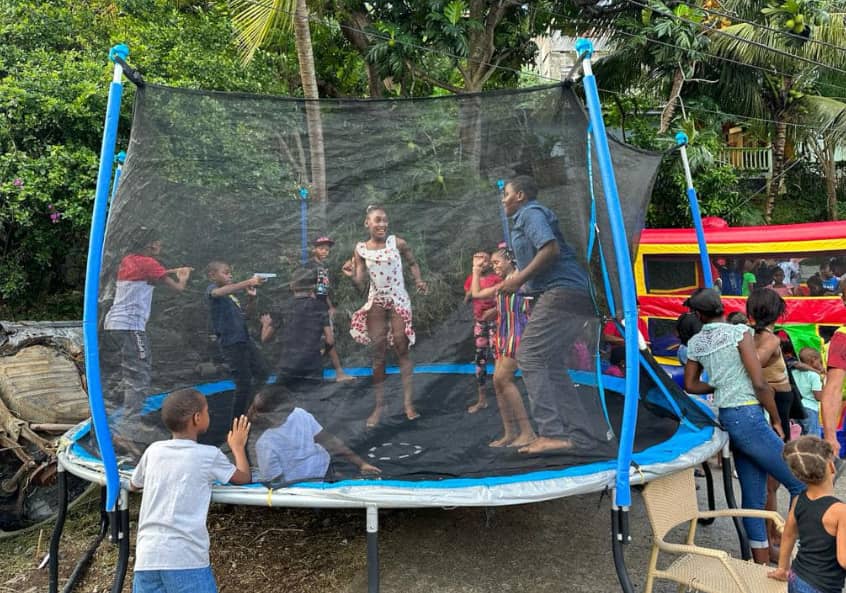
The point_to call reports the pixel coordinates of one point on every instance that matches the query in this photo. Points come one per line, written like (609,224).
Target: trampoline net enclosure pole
(92,281)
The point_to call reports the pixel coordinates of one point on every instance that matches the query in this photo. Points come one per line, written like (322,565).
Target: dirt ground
(556,546)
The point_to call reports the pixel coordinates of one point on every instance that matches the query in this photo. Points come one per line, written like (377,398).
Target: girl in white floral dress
(385,319)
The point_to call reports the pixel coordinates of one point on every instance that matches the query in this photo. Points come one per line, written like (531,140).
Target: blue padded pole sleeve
(120,158)
(695,214)
(92,284)
(624,271)
(506,233)
(304,224)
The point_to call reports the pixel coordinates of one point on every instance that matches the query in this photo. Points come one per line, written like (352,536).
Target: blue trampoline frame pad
(686,448)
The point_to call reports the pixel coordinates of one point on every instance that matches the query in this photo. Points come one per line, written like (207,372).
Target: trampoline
(226,177)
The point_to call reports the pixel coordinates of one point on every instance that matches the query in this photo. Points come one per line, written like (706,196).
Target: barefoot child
(294,447)
(512,312)
(817,519)
(484,326)
(172,549)
(323,294)
(385,319)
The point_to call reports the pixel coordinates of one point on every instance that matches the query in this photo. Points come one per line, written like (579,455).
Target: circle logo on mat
(394,451)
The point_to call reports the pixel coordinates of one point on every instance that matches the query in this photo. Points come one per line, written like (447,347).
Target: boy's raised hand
(266,319)
(237,437)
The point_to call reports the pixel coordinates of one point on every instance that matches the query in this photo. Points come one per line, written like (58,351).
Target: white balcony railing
(748,160)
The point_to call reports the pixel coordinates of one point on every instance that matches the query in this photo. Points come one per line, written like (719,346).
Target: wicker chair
(671,501)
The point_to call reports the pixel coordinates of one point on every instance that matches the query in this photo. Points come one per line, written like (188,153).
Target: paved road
(560,546)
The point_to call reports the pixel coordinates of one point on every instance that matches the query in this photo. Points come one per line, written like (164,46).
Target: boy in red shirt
(484,326)
(126,356)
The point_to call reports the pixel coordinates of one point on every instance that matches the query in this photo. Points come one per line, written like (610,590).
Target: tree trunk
(352,26)
(673,100)
(305,56)
(777,182)
(829,172)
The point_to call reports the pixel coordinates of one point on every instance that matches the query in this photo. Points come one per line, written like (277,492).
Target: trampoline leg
(82,566)
(745,550)
(620,536)
(372,549)
(120,536)
(62,478)
(709,484)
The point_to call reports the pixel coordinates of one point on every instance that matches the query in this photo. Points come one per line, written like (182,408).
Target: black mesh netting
(217,176)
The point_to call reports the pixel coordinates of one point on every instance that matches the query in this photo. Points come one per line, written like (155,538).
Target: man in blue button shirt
(549,270)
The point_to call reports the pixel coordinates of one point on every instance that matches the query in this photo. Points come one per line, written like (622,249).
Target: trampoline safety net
(223,184)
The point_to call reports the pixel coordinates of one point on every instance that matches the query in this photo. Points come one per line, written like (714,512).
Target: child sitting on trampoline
(512,314)
(293,446)
(817,519)
(229,322)
(176,475)
(484,326)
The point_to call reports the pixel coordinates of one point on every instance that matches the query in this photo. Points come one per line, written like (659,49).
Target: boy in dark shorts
(322,246)
(229,321)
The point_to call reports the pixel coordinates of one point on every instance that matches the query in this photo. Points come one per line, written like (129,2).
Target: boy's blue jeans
(757,453)
(189,580)
(811,423)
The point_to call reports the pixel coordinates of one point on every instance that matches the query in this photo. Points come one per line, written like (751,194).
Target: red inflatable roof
(749,234)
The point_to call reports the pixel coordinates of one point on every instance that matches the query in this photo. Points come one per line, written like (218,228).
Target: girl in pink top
(385,319)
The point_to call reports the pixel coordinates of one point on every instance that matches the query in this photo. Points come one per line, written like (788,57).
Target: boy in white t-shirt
(293,446)
(172,549)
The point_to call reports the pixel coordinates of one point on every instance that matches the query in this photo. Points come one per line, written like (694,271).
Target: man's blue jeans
(757,453)
(189,580)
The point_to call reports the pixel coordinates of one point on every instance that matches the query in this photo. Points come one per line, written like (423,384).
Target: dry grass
(254,550)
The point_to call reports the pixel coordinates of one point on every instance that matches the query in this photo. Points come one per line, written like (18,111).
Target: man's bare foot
(480,405)
(505,441)
(523,440)
(342,377)
(546,445)
(411,413)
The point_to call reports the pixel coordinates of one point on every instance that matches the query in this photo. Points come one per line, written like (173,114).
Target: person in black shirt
(229,322)
(305,328)
(817,519)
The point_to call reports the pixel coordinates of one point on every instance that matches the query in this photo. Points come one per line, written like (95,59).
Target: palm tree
(823,139)
(254,22)
(783,88)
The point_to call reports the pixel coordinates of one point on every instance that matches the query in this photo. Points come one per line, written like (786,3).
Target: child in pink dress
(484,327)
(385,319)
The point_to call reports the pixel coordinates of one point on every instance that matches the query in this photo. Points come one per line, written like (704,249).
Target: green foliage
(54,77)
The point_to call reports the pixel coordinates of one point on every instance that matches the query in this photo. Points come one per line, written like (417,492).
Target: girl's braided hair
(808,457)
(505,251)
